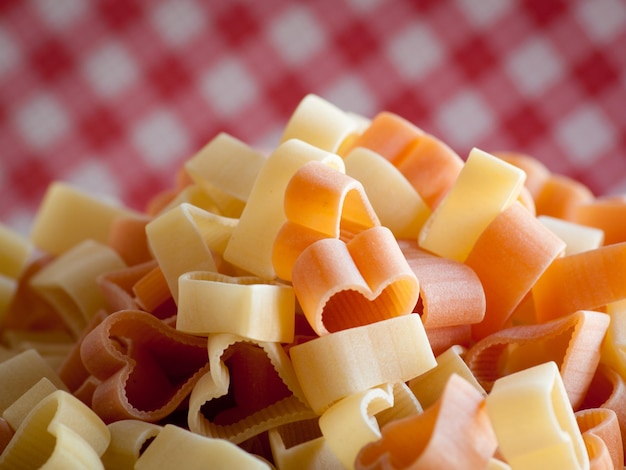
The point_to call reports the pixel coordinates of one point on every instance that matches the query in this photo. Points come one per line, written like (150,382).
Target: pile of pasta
(359,297)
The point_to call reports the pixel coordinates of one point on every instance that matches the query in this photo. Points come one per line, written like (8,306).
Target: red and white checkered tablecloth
(112,95)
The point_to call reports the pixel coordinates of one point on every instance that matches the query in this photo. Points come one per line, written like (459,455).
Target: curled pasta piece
(397,204)
(339,364)
(572,342)
(601,433)
(15,252)
(6,434)
(301,446)
(509,257)
(226,169)
(577,237)
(454,432)
(17,411)
(129,437)
(228,402)
(23,371)
(584,281)
(560,195)
(484,187)
(202,234)
(534,421)
(251,245)
(451,293)
(175,447)
(606,214)
(441,339)
(68,216)
(152,292)
(320,123)
(536,172)
(429,386)
(59,432)
(117,286)
(342,285)
(320,202)
(69,283)
(246,306)
(146,367)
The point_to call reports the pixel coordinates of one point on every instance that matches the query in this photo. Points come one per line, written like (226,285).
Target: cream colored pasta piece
(342,285)
(429,386)
(485,186)
(187,238)
(17,411)
(534,421)
(60,432)
(239,372)
(496,464)
(226,169)
(8,288)
(397,204)
(68,216)
(192,194)
(577,237)
(15,251)
(129,437)
(319,202)
(69,283)
(250,247)
(23,371)
(350,423)
(246,306)
(321,123)
(301,446)
(339,364)
(175,447)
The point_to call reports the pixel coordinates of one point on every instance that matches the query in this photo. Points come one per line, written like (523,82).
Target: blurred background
(113,95)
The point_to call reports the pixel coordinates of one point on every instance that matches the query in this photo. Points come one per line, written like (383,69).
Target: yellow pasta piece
(23,371)
(220,381)
(15,251)
(397,204)
(322,124)
(350,423)
(128,439)
(69,283)
(187,238)
(17,411)
(534,421)
(339,364)
(60,432)
(577,237)
(192,194)
(495,464)
(250,247)
(429,386)
(8,288)
(68,216)
(226,169)
(246,306)
(485,186)
(301,446)
(178,448)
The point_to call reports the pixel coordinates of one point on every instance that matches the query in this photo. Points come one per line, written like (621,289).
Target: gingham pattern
(112,95)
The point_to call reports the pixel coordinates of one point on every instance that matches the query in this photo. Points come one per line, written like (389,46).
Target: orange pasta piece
(583,281)
(602,436)
(508,258)
(572,342)
(319,202)
(443,338)
(431,167)
(116,286)
(607,214)
(127,236)
(341,285)
(147,368)
(6,433)
(608,391)
(152,293)
(455,432)
(450,292)
(560,195)
(389,135)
